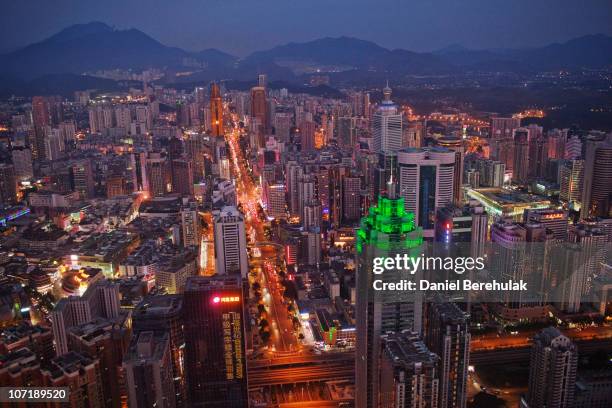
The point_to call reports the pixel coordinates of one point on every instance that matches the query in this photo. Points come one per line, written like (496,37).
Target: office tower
(107,340)
(82,178)
(307,136)
(573,148)
(323,190)
(503,128)
(164,314)
(520,166)
(351,198)
(22,160)
(282,126)
(552,370)
(387,125)
(182,177)
(216,110)
(456,145)
(215,358)
(409,372)
(259,107)
(159,176)
(555,220)
(41,118)
(148,371)
(190,225)
(274,200)
(101,299)
(8,184)
(571,181)
(447,335)
(597,189)
(230,243)
(346,133)
(426,178)
(413,135)
(313,246)
(79,373)
(388,230)
(293,172)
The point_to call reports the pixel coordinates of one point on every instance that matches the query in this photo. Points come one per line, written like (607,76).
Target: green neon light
(389,226)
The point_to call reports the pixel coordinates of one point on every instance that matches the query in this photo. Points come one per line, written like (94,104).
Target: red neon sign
(225,299)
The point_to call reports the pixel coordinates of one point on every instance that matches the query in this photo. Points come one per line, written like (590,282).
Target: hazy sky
(242,26)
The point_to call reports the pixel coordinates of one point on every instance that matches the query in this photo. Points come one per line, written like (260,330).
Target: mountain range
(96,46)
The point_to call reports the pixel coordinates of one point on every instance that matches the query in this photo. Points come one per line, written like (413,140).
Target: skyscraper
(230,243)
(148,371)
(426,179)
(456,145)
(386,231)
(259,107)
(597,191)
(215,346)
(387,125)
(447,334)
(503,128)
(520,167)
(216,110)
(8,184)
(552,371)
(351,198)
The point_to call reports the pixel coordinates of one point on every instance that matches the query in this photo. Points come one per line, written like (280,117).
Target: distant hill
(96,46)
(590,51)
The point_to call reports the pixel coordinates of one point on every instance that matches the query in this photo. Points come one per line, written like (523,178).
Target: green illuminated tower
(387,230)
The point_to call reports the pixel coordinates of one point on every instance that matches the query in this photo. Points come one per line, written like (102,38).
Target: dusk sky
(243,26)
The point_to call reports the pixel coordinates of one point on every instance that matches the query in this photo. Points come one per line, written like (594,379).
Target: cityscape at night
(330,204)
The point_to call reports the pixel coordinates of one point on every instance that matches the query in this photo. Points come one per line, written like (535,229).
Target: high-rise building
(552,371)
(387,125)
(230,243)
(351,198)
(447,334)
(190,225)
(346,133)
(555,220)
(159,176)
(182,177)
(41,118)
(216,110)
(107,340)
(259,107)
(81,375)
(274,199)
(520,166)
(571,181)
(409,372)
(215,359)
(82,179)
(456,145)
(8,184)
(164,314)
(503,128)
(386,231)
(148,371)
(597,189)
(22,160)
(307,136)
(426,178)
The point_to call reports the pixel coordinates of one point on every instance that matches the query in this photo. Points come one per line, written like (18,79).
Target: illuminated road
(282,333)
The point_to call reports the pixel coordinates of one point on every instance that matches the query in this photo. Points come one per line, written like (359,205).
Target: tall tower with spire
(216,110)
(387,125)
(388,230)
